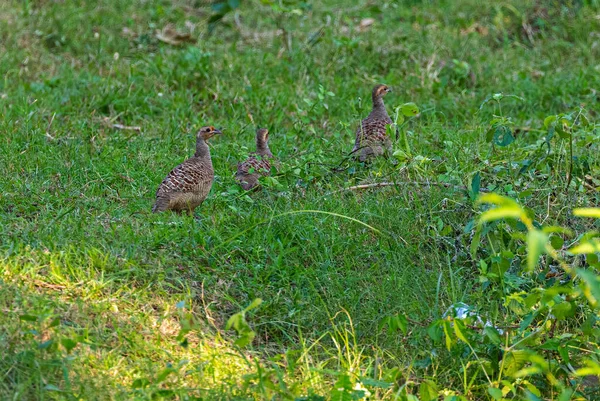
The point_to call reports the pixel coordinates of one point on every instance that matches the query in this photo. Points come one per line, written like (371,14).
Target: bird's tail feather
(160,205)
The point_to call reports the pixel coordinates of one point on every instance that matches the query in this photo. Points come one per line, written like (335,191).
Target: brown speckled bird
(258,164)
(187,185)
(371,137)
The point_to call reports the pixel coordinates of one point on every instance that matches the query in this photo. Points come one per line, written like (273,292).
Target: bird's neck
(202,148)
(262,149)
(378,104)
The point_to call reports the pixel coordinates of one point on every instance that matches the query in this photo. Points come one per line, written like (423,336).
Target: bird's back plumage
(249,171)
(188,184)
(257,164)
(371,136)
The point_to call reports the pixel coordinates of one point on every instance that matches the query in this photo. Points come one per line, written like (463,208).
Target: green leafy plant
(566,126)
(238,322)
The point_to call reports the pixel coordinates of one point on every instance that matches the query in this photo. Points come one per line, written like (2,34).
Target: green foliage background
(101,299)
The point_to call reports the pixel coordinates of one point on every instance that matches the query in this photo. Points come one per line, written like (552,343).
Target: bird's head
(207,132)
(380,91)
(262,135)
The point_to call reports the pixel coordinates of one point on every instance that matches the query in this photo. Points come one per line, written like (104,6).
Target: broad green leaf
(501,212)
(592,368)
(536,243)
(435,331)
(428,391)
(68,344)
(557,230)
(556,242)
(592,286)
(460,330)
(489,134)
(245,338)
(496,393)
(446,325)
(566,395)
(587,212)
(528,371)
(402,323)
(592,246)
(28,318)
(496,200)
(564,354)
(549,120)
(534,390)
(493,335)
(140,383)
(409,109)
(560,130)
(515,360)
(503,136)
(563,310)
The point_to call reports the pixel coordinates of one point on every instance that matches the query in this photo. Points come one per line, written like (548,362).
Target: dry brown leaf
(365,23)
(476,27)
(171,36)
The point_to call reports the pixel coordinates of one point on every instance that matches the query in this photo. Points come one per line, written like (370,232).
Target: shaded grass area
(96,290)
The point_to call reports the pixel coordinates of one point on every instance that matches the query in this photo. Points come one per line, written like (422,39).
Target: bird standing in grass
(371,137)
(258,164)
(187,185)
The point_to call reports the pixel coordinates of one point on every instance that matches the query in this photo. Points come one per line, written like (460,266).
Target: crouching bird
(257,164)
(371,137)
(187,185)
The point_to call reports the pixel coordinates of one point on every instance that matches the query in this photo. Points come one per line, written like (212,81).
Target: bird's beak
(216,131)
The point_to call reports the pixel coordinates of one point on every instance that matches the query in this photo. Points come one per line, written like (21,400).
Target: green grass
(94,289)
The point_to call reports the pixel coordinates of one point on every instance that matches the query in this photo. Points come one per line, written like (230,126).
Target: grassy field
(102,299)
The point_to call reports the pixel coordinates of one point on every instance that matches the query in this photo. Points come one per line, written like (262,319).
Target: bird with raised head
(371,137)
(257,164)
(188,184)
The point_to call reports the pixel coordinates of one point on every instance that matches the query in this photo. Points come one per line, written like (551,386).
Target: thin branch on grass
(390,184)
(127,127)
(50,137)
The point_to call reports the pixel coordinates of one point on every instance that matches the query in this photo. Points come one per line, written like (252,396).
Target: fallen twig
(389,184)
(127,127)
(39,283)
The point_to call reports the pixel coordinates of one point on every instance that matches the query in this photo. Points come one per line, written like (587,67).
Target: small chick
(371,137)
(258,164)
(187,185)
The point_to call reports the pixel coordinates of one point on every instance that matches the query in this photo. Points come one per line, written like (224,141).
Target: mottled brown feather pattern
(188,184)
(371,137)
(251,169)
(257,164)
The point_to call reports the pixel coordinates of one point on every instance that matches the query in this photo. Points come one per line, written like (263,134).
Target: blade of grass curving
(308,211)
